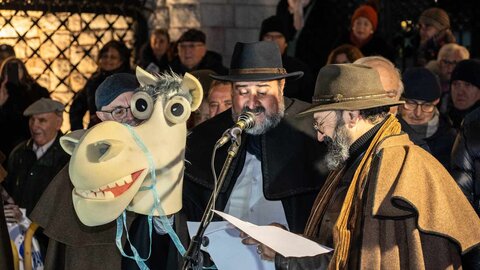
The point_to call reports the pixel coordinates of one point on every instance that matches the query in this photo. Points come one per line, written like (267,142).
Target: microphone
(245,121)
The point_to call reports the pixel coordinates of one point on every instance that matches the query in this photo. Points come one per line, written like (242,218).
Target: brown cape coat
(415,215)
(73,245)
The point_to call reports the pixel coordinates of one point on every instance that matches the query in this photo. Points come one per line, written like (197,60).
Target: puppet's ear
(144,77)
(70,141)
(193,85)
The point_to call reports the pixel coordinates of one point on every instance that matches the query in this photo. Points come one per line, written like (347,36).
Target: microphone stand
(193,258)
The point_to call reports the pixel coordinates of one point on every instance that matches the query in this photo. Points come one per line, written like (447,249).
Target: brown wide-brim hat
(256,61)
(348,87)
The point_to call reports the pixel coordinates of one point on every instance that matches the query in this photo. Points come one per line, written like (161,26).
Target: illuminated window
(60,49)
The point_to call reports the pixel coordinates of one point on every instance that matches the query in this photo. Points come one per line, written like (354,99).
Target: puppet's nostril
(103,150)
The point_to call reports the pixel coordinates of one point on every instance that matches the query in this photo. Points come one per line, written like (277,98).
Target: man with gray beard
(387,204)
(273,178)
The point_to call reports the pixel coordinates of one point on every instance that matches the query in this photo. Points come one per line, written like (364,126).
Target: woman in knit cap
(434,32)
(363,34)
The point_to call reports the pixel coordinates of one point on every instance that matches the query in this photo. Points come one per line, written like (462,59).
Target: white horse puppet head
(111,163)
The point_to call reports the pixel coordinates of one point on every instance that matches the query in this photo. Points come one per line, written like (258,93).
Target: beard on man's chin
(338,147)
(270,120)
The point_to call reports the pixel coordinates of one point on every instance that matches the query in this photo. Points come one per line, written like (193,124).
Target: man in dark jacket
(193,54)
(273,178)
(274,29)
(465,90)
(34,163)
(466,159)
(421,116)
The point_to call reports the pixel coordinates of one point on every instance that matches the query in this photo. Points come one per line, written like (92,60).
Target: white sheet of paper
(226,248)
(284,242)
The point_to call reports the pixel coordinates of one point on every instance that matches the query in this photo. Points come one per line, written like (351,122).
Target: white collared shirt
(247,201)
(41,150)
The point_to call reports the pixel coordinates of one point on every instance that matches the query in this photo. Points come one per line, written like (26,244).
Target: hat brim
(351,105)
(257,76)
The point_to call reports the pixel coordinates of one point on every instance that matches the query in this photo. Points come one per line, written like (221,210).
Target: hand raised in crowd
(11,210)
(12,213)
(264,251)
(3,92)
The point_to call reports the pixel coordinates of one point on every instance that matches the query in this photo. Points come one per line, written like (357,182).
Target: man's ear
(100,116)
(58,126)
(351,118)
(436,101)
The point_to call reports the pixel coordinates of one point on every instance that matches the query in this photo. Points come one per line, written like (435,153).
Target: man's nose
(418,110)
(252,101)
(320,136)
(129,116)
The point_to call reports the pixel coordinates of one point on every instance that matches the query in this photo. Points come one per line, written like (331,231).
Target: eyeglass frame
(319,127)
(412,102)
(448,62)
(124,110)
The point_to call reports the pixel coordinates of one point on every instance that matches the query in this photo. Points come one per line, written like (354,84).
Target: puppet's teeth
(109,195)
(91,195)
(129,179)
(99,195)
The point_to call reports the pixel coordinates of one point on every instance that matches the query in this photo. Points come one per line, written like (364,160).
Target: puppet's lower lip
(112,190)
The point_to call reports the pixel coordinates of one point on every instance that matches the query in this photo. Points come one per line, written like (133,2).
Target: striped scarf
(351,208)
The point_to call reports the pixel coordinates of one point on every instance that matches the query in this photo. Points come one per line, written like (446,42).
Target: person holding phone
(18,90)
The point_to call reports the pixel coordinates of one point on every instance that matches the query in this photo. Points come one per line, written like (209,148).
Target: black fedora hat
(256,61)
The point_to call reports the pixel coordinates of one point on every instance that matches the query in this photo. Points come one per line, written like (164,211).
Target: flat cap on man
(44,105)
(113,86)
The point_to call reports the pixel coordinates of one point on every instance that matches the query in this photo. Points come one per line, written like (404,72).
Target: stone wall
(224,21)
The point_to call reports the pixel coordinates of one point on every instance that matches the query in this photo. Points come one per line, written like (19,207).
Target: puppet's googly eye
(141,105)
(177,110)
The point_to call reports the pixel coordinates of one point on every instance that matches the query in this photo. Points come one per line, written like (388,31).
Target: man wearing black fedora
(387,203)
(274,177)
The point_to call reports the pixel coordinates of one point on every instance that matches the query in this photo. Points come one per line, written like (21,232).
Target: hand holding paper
(228,252)
(284,242)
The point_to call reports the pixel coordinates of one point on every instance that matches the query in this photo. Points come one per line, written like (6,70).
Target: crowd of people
(388,174)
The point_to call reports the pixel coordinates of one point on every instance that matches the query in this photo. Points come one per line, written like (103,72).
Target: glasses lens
(119,113)
(428,107)
(409,105)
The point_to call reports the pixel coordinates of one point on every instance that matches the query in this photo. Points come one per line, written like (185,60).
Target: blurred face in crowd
(426,31)
(332,130)
(278,38)
(263,98)
(293,4)
(15,65)
(418,112)
(219,98)
(464,94)
(362,28)
(119,110)
(202,114)
(341,59)
(110,60)
(191,53)
(44,127)
(447,64)
(159,44)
